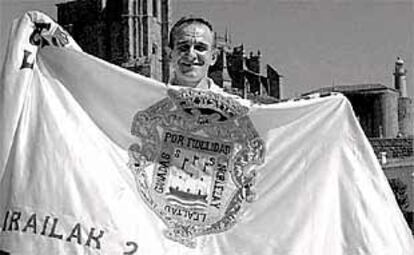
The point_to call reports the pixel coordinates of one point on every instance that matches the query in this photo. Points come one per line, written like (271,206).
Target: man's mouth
(189,67)
(191,64)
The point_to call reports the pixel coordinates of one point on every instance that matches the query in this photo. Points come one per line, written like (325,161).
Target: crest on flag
(194,161)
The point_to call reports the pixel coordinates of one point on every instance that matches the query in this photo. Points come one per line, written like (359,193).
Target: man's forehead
(194,31)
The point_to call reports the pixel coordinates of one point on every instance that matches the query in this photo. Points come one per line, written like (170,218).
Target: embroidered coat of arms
(194,161)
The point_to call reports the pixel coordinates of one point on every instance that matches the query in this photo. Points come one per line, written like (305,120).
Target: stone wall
(402,170)
(389,112)
(399,165)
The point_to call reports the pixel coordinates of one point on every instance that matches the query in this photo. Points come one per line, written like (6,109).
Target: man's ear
(214,56)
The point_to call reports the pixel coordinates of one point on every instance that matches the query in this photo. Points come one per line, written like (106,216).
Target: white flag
(95,159)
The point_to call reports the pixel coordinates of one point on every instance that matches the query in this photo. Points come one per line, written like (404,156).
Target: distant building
(129,33)
(375,105)
(386,115)
(244,75)
(383,112)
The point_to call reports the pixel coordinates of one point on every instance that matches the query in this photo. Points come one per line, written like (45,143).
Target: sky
(312,43)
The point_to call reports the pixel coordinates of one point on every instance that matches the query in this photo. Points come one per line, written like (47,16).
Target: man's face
(192,54)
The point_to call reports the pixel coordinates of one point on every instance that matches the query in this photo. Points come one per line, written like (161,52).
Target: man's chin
(187,80)
(190,76)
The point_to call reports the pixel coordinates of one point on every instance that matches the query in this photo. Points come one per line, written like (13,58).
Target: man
(193,51)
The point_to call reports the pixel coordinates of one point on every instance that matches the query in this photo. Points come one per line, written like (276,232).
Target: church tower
(129,33)
(405,103)
(400,75)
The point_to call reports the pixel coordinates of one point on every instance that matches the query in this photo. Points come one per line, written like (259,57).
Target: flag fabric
(95,159)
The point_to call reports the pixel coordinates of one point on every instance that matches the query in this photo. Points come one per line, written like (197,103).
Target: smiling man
(192,45)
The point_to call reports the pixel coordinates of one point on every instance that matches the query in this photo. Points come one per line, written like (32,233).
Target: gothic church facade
(129,33)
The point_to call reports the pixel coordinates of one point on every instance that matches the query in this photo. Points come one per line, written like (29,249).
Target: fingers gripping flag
(95,159)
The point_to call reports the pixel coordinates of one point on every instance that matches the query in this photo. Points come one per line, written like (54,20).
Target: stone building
(386,115)
(375,106)
(129,33)
(383,111)
(244,75)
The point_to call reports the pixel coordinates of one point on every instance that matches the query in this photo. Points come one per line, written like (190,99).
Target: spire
(229,35)
(400,75)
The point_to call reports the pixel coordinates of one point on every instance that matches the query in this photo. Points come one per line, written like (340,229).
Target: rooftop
(355,89)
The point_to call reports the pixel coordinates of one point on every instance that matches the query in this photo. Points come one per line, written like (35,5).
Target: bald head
(185,21)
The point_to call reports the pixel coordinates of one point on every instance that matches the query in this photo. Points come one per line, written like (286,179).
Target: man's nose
(192,52)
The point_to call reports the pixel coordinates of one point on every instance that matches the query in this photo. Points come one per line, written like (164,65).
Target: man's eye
(201,47)
(184,47)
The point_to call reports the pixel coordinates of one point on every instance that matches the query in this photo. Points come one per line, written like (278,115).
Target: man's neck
(202,84)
